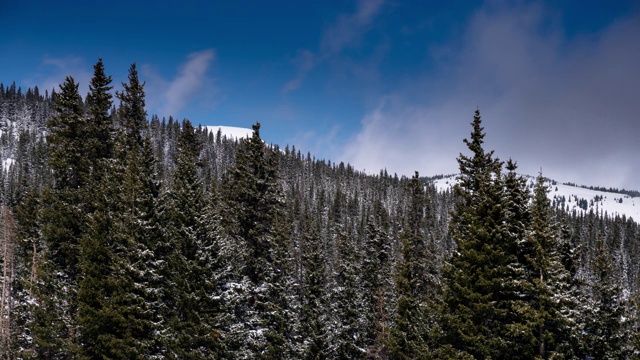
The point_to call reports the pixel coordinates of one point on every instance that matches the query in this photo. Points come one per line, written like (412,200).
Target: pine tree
(314,314)
(135,227)
(119,289)
(555,296)
(256,326)
(482,292)
(606,334)
(189,300)
(415,281)
(377,283)
(348,339)
(99,133)
(66,137)
(132,110)
(55,326)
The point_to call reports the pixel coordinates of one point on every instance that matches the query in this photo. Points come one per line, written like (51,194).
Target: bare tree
(8,245)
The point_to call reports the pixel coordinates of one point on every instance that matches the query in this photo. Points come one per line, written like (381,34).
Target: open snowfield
(231,132)
(597,201)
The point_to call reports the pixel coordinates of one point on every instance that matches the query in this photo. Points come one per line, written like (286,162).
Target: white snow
(6,163)
(231,132)
(608,202)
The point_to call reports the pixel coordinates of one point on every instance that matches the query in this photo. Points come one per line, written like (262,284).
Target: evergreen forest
(128,236)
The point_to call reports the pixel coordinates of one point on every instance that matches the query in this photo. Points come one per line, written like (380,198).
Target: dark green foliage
(314,316)
(99,130)
(505,273)
(475,279)
(63,220)
(416,282)
(118,267)
(258,323)
(132,113)
(189,306)
(67,157)
(254,199)
(554,298)
(606,334)
(377,283)
(161,240)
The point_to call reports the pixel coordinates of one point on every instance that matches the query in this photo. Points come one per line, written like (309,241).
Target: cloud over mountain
(548,99)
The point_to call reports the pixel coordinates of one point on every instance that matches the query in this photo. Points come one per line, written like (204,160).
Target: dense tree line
(128,236)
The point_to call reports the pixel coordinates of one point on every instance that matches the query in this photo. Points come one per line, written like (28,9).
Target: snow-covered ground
(577,198)
(6,164)
(231,132)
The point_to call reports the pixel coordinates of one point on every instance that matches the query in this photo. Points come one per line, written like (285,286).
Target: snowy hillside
(576,198)
(231,132)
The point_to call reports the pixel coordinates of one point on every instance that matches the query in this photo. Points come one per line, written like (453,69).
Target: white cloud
(190,79)
(568,105)
(346,32)
(406,138)
(349,29)
(304,61)
(167,97)
(53,71)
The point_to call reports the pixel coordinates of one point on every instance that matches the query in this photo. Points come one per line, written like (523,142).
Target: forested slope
(129,236)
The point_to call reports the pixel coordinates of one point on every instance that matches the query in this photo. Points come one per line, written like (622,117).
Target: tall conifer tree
(189,300)
(257,325)
(55,324)
(100,137)
(479,297)
(415,281)
(606,334)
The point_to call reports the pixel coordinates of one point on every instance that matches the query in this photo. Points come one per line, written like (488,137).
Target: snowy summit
(573,198)
(230,132)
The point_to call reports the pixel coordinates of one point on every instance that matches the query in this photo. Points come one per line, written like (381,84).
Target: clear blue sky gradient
(378,83)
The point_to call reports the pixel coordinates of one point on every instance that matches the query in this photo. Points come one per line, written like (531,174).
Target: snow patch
(574,198)
(6,163)
(231,132)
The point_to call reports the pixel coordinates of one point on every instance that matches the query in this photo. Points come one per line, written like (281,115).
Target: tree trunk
(8,246)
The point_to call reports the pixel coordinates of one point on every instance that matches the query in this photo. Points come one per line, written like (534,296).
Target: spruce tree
(119,289)
(256,323)
(518,288)
(99,133)
(136,228)
(482,291)
(67,130)
(102,321)
(555,295)
(415,282)
(28,261)
(347,333)
(314,305)
(189,299)
(377,282)
(55,326)
(606,334)
(132,113)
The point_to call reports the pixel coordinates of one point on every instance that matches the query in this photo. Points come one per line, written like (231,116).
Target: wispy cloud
(349,29)
(169,97)
(305,62)
(345,33)
(566,104)
(53,71)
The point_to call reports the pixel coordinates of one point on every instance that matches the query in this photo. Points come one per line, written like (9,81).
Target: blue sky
(378,83)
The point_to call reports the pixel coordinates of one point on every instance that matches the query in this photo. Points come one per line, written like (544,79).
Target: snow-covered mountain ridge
(566,196)
(574,198)
(231,132)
